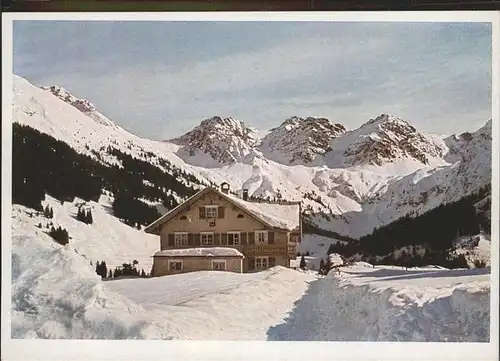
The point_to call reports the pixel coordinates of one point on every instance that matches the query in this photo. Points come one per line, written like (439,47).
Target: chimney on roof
(224,188)
(245,194)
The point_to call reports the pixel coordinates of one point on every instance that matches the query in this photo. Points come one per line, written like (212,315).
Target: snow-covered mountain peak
(81,104)
(225,140)
(476,145)
(300,141)
(387,119)
(384,139)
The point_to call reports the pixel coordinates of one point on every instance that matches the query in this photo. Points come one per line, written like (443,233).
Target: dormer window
(182,217)
(211,211)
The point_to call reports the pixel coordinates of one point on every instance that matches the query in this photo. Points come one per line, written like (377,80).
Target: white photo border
(241,350)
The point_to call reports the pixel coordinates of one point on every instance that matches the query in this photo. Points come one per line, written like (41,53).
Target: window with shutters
(180,239)
(261,263)
(233,238)
(175,266)
(219,265)
(211,211)
(207,239)
(260,237)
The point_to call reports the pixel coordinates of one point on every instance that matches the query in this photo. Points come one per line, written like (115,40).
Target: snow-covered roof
(284,216)
(200,252)
(335,260)
(276,215)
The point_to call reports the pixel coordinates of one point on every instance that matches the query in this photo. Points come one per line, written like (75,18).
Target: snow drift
(57,294)
(389,304)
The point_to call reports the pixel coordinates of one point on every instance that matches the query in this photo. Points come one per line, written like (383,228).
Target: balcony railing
(265,249)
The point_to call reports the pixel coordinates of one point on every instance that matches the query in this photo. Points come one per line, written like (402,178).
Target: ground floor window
(261,262)
(207,239)
(219,265)
(175,266)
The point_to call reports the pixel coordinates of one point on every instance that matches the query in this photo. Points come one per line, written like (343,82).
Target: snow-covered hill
(349,181)
(106,239)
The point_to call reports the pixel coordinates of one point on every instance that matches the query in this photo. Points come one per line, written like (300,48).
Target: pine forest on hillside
(436,231)
(43,165)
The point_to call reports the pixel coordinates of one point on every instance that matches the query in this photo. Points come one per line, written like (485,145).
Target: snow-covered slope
(106,239)
(41,109)
(82,105)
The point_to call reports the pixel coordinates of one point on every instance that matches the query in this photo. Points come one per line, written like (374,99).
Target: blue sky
(160,79)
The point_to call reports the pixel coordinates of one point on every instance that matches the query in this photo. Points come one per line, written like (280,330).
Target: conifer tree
(321,264)
(79,214)
(90,219)
(104,269)
(303,264)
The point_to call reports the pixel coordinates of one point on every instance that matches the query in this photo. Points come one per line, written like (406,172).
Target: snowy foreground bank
(56,294)
(387,303)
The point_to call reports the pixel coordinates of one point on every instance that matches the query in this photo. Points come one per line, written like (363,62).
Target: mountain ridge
(350,198)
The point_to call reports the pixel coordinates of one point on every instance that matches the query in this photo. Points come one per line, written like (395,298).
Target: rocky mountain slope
(350,182)
(382,140)
(225,140)
(81,104)
(299,141)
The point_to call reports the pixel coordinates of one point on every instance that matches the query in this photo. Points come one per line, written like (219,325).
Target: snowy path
(390,304)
